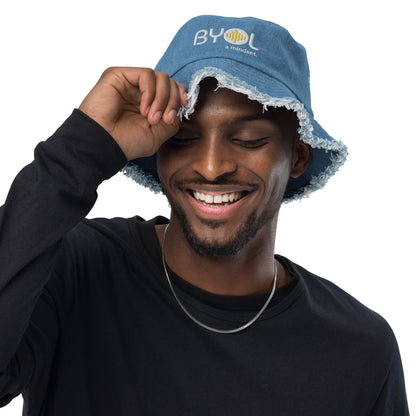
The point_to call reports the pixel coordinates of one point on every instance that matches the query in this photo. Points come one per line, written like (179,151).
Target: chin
(212,247)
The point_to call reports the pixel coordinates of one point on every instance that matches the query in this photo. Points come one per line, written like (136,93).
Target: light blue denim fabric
(257,58)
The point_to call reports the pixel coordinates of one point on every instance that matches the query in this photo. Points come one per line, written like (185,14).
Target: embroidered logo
(235,36)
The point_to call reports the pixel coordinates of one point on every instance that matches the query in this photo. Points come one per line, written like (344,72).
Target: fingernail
(172,116)
(157,116)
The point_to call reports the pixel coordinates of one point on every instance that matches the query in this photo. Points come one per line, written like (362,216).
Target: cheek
(277,174)
(167,164)
(163,167)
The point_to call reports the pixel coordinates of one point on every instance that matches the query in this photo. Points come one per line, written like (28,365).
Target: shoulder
(341,316)
(103,226)
(350,339)
(93,243)
(91,234)
(120,239)
(99,253)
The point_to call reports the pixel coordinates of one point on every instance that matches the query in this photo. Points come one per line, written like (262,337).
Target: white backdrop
(358,232)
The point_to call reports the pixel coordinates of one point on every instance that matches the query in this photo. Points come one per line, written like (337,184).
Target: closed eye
(251,144)
(182,141)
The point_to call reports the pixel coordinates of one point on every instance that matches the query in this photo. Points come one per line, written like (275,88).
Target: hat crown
(262,45)
(261,60)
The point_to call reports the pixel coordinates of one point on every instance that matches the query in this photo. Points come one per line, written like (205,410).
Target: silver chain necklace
(210,328)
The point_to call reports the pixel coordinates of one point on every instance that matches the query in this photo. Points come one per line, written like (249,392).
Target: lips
(222,199)
(216,203)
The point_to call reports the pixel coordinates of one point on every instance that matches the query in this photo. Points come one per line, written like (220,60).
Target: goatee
(231,247)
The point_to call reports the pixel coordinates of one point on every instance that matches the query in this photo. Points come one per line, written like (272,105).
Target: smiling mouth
(219,200)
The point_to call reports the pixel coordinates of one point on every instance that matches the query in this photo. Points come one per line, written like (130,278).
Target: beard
(245,233)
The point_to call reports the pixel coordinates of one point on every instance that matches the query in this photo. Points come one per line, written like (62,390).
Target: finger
(172,108)
(183,93)
(135,85)
(147,89)
(161,99)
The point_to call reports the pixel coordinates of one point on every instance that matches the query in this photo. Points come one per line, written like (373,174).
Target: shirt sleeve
(46,200)
(392,400)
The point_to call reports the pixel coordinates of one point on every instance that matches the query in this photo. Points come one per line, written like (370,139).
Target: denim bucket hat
(261,60)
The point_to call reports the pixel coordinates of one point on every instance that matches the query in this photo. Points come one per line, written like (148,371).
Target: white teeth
(217,199)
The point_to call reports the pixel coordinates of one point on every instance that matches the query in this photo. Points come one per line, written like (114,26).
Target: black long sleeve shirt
(88,325)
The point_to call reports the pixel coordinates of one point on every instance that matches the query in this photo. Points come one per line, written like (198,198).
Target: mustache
(217,182)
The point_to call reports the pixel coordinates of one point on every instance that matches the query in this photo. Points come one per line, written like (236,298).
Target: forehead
(216,99)
(224,106)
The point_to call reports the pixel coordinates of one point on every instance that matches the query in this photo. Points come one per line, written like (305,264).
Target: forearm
(47,199)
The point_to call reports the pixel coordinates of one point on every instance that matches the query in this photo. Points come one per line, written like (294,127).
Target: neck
(248,272)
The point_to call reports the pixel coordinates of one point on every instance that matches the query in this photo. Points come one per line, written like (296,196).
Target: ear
(301,158)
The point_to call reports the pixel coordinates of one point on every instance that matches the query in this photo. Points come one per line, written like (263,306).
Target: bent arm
(130,113)
(47,199)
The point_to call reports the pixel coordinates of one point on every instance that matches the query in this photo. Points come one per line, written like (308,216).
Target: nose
(214,158)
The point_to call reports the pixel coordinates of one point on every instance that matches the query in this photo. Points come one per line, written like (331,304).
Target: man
(195,316)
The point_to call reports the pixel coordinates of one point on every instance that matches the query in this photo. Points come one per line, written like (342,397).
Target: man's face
(225,172)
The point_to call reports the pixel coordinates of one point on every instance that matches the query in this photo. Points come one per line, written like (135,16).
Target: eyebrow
(250,117)
(238,120)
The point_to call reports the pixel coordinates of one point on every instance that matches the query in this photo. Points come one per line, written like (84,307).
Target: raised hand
(137,106)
